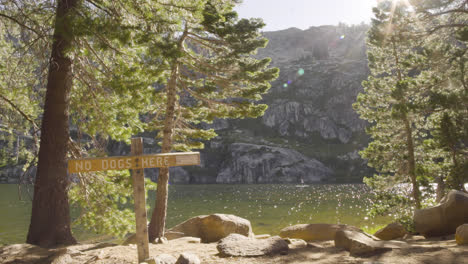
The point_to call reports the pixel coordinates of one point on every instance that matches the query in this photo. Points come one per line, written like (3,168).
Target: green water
(268,207)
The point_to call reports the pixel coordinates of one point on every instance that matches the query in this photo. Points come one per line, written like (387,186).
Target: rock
(192,240)
(296,243)
(160,240)
(461,235)
(170,235)
(391,231)
(212,228)
(444,218)
(242,246)
(131,239)
(361,244)
(250,163)
(313,232)
(188,258)
(262,236)
(162,259)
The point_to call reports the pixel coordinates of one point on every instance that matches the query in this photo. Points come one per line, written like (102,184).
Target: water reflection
(268,207)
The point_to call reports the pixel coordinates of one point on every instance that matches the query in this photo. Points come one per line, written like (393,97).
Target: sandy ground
(434,251)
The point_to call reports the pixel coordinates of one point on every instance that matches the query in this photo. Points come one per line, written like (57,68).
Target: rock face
(391,231)
(444,218)
(310,116)
(212,228)
(313,232)
(239,245)
(250,163)
(461,235)
(361,244)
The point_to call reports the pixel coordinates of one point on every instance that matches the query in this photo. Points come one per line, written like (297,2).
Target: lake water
(269,207)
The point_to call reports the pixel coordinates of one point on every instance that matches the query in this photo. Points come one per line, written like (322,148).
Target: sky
(283,14)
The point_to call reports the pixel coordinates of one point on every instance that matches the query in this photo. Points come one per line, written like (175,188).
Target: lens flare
(300,71)
(342,36)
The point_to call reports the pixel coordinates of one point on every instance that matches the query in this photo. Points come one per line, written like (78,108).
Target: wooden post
(138,178)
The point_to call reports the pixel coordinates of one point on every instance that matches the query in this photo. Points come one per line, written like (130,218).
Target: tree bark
(412,163)
(158,218)
(50,217)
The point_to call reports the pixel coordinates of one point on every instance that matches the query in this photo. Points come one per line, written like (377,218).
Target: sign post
(138,178)
(136,163)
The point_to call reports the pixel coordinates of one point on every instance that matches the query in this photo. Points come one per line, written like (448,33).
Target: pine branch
(19,111)
(21,24)
(434,29)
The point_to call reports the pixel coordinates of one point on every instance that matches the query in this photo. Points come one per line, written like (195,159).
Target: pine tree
(104,59)
(390,102)
(213,75)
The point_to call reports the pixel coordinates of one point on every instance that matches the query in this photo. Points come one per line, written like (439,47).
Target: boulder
(361,244)
(461,236)
(191,240)
(212,228)
(242,246)
(170,235)
(391,231)
(188,258)
(295,243)
(444,218)
(313,232)
(162,259)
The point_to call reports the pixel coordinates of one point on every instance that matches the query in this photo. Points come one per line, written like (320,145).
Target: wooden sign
(136,162)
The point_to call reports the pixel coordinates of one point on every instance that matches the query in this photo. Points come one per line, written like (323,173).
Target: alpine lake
(269,207)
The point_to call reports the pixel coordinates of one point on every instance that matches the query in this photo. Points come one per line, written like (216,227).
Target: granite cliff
(309,133)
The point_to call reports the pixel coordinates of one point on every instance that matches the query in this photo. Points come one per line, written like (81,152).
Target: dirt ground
(435,251)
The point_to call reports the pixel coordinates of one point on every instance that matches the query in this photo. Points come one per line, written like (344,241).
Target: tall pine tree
(390,103)
(213,75)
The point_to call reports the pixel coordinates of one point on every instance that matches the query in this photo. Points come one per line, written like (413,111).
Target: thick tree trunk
(158,218)
(50,218)
(412,163)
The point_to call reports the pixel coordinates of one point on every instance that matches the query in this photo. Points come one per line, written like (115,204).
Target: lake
(269,207)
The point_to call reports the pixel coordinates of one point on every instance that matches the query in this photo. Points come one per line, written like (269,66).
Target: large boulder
(212,228)
(361,244)
(391,231)
(314,232)
(242,246)
(444,218)
(188,258)
(461,236)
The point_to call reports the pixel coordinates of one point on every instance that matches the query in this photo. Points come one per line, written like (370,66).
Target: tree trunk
(50,217)
(412,163)
(158,218)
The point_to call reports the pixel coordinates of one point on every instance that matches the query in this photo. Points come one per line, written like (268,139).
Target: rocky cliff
(309,133)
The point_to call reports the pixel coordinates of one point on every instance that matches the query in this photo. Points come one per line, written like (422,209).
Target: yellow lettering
(166,161)
(113,164)
(159,161)
(105,164)
(128,163)
(144,162)
(79,166)
(87,165)
(152,162)
(121,163)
